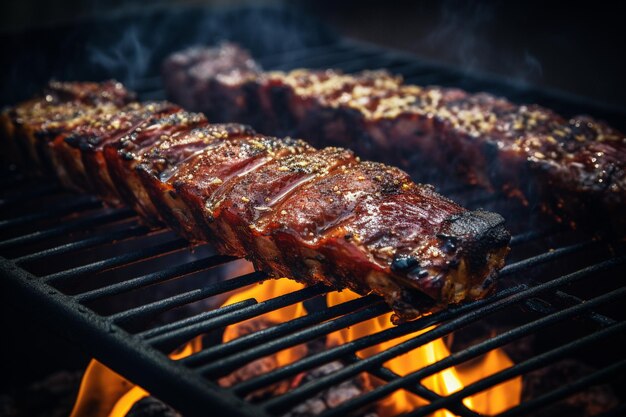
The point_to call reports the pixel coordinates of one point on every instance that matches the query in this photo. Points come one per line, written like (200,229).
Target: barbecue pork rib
(315,215)
(574,169)
(60,105)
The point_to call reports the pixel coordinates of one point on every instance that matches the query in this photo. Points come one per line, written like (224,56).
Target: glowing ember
(104,393)
(489,402)
(265,291)
(261,292)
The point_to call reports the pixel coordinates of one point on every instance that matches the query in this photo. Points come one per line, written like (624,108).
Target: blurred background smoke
(571,46)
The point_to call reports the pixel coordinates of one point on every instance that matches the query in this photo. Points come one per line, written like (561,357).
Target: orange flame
(448,381)
(104,393)
(265,291)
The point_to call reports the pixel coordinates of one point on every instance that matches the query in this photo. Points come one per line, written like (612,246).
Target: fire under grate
(64,256)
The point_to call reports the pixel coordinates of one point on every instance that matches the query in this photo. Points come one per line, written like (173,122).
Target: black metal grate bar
(543,307)
(69,226)
(267,335)
(533,235)
(77,204)
(99,239)
(227,365)
(32,192)
(519,369)
(109,343)
(600,319)
(115,261)
(420,390)
(531,262)
(350,348)
(566,390)
(296,395)
(310,361)
(155,277)
(166,329)
(245,313)
(472,352)
(187,297)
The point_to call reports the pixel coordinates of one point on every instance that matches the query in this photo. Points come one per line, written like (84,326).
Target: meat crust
(315,215)
(573,169)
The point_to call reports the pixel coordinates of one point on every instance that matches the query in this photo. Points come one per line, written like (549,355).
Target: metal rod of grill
(296,395)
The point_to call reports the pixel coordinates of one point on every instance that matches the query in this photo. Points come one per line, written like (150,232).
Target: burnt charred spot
(475,234)
(418,273)
(411,303)
(73,140)
(86,146)
(390,186)
(449,243)
(85,143)
(126,141)
(404,263)
(128,156)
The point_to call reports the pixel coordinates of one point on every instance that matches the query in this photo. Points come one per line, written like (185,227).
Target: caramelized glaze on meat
(124,154)
(574,169)
(316,215)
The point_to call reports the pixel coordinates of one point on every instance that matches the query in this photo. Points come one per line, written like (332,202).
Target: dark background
(571,46)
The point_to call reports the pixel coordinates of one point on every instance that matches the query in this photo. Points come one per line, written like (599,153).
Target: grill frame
(134,355)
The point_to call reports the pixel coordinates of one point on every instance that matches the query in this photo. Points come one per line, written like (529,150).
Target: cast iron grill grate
(65,256)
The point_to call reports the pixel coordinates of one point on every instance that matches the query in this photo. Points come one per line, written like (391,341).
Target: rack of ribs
(573,169)
(314,215)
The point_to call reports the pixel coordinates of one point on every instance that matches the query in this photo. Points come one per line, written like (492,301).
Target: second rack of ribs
(574,169)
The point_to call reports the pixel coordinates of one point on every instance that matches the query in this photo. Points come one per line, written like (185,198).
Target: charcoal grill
(64,256)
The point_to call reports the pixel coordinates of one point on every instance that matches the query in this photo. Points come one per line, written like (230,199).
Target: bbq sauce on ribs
(574,169)
(315,215)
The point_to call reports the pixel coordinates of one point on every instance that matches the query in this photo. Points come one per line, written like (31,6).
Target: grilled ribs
(199,69)
(574,169)
(315,215)
(58,107)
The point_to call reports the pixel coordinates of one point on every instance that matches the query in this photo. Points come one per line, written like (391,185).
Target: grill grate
(66,261)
